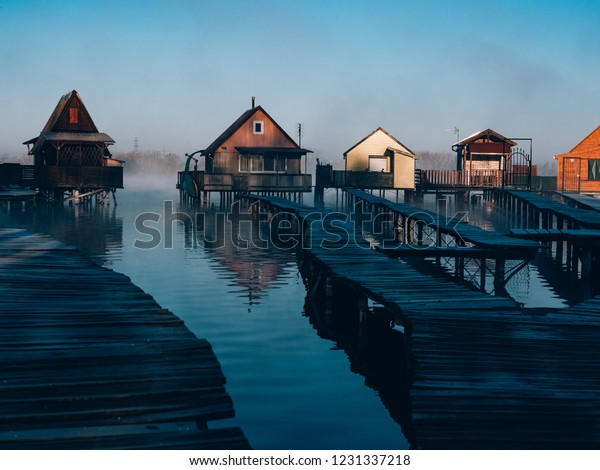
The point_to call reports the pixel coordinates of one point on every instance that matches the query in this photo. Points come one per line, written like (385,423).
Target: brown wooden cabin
(71,155)
(579,169)
(254,154)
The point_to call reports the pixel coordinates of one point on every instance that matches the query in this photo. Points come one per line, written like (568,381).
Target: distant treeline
(436,160)
(150,162)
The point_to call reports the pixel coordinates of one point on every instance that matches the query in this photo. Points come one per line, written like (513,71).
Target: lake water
(297,380)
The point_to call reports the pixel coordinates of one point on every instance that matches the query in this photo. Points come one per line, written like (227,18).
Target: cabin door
(571,174)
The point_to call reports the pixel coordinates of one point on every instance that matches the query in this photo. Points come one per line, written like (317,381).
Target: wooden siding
(573,174)
(404,172)
(243,182)
(357,159)
(244,136)
(84,120)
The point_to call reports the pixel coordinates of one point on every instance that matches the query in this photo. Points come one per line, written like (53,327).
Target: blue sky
(176,74)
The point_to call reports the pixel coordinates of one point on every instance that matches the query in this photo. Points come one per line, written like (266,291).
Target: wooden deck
(581,236)
(15,193)
(580,218)
(486,375)
(580,201)
(459,230)
(90,361)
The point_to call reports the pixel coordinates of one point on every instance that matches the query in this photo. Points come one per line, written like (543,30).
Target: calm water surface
(292,389)
(297,379)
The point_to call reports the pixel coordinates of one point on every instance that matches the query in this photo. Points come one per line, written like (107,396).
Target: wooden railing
(61,176)
(78,177)
(465,178)
(362,179)
(243,182)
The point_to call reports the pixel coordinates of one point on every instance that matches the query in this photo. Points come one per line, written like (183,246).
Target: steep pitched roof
(487,132)
(386,133)
(67,101)
(239,122)
(590,144)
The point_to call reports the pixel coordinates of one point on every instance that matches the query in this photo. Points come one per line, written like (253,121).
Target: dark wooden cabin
(254,154)
(71,155)
(579,169)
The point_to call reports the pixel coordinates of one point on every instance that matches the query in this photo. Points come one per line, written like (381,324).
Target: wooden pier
(532,210)
(90,361)
(485,375)
(469,241)
(548,220)
(580,201)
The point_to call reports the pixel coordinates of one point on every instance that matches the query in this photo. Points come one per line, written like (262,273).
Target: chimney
(253,102)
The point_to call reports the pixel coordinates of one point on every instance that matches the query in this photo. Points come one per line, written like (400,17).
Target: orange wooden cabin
(579,169)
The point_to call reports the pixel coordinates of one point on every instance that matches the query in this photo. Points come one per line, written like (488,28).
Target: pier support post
(499,273)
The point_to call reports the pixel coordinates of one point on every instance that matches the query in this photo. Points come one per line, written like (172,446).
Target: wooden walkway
(579,218)
(580,201)
(486,376)
(90,361)
(15,193)
(461,231)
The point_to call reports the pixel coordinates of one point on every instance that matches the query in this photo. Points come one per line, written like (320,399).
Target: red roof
(589,145)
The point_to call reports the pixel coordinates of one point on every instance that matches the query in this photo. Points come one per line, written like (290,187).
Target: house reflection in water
(96,231)
(242,249)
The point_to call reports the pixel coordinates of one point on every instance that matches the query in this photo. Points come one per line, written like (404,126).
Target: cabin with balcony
(579,169)
(254,154)
(379,161)
(483,160)
(484,154)
(71,156)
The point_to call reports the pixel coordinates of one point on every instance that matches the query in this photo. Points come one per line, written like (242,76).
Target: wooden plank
(84,350)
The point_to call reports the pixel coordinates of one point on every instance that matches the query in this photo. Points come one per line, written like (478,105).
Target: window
(73,116)
(258,127)
(594,170)
(262,163)
(378,163)
(243,163)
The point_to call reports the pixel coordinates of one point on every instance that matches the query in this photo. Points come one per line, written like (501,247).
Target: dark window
(73,116)
(257,127)
(257,163)
(269,163)
(280,164)
(594,170)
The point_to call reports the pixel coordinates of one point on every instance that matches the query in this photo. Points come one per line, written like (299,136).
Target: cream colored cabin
(380,153)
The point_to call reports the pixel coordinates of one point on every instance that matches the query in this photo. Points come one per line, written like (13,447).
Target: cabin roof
(84,137)
(403,152)
(411,153)
(486,133)
(239,122)
(62,107)
(279,150)
(589,145)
